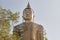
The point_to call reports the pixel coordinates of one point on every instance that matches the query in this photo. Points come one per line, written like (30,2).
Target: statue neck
(28,20)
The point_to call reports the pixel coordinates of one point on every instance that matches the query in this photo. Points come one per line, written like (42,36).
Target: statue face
(28,14)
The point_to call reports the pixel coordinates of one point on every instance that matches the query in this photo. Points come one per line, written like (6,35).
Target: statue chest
(28,32)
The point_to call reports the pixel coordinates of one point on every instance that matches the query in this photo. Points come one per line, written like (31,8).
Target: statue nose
(27,13)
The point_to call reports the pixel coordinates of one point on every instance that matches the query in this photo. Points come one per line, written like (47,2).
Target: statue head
(28,13)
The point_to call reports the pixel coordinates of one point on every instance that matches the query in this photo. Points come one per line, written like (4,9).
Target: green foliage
(46,38)
(15,37)
(5,17)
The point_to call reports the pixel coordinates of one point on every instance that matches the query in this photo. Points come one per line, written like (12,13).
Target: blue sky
(47,13)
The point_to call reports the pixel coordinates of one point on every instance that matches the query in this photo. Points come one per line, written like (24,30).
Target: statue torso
(29,31)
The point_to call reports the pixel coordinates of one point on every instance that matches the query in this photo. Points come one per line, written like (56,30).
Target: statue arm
(15,31)
(41,35)
(16,34)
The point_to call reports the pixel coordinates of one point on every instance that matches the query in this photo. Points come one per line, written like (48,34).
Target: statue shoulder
(19,25)
(40,27)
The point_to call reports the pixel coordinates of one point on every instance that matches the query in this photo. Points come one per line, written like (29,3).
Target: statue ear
(23,17)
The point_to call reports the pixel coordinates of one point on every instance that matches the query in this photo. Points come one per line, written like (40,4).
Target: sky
(47,13)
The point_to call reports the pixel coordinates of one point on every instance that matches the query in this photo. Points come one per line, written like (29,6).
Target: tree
(45,37)
(5,17)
